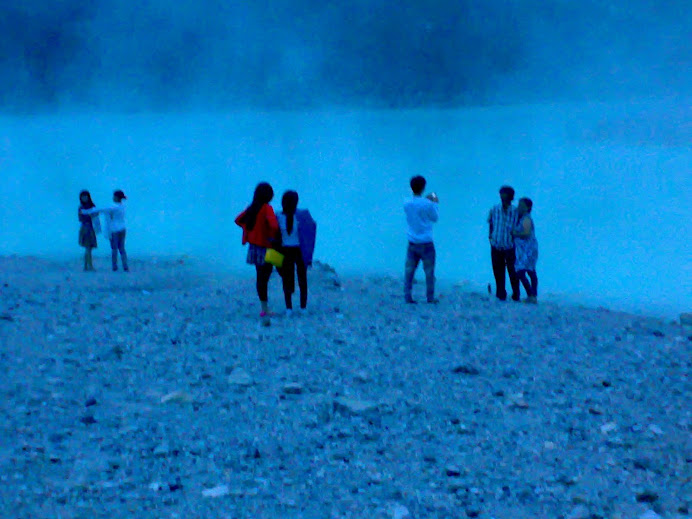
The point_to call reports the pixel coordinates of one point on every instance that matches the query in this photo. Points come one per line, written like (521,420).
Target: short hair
(507,189)
(527,202)
(417,184)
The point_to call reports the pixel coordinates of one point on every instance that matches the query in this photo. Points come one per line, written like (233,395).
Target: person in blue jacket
(298,233)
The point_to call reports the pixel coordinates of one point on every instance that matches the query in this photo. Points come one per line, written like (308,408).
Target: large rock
(180,397)
(579,512)
(686,322)
(218,491)
(293,388)
(399,511)
(241,378)
(353,406)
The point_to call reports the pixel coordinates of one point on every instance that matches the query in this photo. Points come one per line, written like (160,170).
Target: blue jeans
(415,253)
(118,245)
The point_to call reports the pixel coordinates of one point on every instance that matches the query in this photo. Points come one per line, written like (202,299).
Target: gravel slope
(158,394)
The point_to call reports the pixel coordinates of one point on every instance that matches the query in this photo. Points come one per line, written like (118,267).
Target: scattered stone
(362,377)
(354,406)
(643,464)
(518,402)
(375,478)
(455,485)
(647,496)
(399,511)
(608,427)
(579,512)
(655,429)
(6,317)
(650,514)
(54,458)
(156,486)
(241,378)
(452,471)
(430,457)
(217,491)
(464,369)
(177,485)
(179,397)
(686,319)
(567,481)
(88,420)
(252,451)
(352,460)
(463,429)
(162,450)
(294,388)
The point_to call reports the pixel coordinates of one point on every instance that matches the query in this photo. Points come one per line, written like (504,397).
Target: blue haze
(583,106)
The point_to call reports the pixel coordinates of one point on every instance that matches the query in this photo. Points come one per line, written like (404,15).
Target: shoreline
(218,267)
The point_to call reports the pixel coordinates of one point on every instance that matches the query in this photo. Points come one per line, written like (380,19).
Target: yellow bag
(274,257)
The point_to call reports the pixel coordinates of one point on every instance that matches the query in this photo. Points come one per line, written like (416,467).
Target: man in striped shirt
(502,220)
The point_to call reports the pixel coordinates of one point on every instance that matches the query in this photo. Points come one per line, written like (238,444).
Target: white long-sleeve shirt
(115,215)
(421,214)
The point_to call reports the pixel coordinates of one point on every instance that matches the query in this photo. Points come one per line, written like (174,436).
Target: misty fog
(156,54)
(582,106)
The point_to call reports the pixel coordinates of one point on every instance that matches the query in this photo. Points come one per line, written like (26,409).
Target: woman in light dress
(526,247)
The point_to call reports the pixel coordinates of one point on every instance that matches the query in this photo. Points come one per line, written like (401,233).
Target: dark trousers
(504,259)
(264,272)
(118,245)
(294,263)
(420,252)
(531,286)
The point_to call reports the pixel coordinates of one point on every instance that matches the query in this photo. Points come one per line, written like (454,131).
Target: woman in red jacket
(260,230)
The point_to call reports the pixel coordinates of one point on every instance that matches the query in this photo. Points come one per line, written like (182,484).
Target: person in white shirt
(421,214)
(115,217)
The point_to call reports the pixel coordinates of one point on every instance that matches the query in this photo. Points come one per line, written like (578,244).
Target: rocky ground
(158,394)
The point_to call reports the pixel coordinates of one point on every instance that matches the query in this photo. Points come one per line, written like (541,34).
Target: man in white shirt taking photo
(421,214)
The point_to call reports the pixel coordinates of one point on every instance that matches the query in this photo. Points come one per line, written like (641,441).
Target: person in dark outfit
(115,218)
(502,220)
(297,244)
(87,232)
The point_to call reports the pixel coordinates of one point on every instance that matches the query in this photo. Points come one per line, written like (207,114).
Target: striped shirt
(502,222)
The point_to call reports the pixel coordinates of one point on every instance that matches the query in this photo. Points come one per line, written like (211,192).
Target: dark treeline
(160,54)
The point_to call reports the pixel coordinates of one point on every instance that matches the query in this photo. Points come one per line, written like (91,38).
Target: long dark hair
(263,195)
(289,203)
(528,203)
(87,205)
